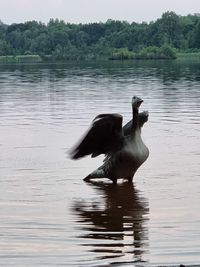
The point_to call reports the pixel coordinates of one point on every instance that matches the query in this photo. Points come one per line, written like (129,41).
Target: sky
(87,11)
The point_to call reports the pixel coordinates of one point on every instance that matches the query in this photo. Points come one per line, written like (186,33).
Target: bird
(122,146)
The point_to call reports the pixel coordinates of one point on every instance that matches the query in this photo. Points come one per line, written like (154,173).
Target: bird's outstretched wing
(104,136)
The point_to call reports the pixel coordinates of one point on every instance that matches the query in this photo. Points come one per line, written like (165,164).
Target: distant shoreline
(21,59)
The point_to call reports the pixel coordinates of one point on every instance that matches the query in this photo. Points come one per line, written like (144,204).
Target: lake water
(49,216)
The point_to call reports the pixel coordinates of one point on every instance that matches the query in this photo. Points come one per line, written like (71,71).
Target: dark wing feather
(104,136)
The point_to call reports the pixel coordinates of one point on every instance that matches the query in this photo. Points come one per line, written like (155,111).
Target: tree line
(113,39)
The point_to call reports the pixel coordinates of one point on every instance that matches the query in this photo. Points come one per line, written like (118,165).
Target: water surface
(49,216)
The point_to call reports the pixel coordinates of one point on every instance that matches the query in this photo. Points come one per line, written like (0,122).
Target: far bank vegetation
(164,38)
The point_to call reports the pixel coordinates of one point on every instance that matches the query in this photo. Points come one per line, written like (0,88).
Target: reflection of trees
(117,226)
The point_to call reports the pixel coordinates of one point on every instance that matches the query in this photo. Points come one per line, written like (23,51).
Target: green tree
(5,48)
(195,36)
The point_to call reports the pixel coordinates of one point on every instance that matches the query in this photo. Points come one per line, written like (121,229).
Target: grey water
(49,216)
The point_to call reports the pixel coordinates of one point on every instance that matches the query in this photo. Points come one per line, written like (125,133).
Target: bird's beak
(139,101)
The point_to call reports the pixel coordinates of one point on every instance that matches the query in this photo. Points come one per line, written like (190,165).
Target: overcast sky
(85,11)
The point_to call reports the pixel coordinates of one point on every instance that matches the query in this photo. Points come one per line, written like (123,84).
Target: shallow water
(49,216)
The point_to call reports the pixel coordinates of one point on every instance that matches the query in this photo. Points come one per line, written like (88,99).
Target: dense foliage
(114,39)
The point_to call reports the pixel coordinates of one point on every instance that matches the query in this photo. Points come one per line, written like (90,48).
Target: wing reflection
(115,223)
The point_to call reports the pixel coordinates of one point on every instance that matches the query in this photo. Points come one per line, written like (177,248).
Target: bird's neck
(135,118)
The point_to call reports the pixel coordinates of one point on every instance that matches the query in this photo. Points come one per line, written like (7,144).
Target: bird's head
(136,102)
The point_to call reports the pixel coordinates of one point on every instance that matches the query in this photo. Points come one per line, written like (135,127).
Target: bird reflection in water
(115,225)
